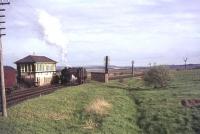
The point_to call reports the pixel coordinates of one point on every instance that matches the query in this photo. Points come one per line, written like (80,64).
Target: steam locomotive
(75,75)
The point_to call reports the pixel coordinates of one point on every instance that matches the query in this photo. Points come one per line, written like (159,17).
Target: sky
(82,32)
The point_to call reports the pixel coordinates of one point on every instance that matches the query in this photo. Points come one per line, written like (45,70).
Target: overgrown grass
(120,107)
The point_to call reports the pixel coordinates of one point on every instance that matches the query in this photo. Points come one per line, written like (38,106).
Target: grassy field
(160,111)
(120,107)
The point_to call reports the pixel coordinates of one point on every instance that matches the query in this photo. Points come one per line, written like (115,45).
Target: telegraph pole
(132,69)
(185,61)
(3,92)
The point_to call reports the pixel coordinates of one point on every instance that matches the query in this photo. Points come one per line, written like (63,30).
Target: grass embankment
(72,110)
(120,107)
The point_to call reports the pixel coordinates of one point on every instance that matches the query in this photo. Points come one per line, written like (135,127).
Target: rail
(19,96)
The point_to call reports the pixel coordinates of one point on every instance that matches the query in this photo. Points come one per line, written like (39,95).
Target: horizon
(82,33)
(112,65)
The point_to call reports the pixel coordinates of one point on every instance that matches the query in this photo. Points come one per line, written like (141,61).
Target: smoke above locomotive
(52,33)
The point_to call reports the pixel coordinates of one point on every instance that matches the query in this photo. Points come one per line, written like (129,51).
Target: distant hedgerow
(158,76)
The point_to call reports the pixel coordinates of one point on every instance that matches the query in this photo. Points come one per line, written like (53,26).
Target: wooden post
(3,91)
(132,69)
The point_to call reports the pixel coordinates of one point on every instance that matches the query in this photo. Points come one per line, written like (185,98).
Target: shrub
(158,76)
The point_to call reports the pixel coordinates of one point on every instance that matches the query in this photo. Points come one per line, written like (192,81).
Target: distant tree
(158,76)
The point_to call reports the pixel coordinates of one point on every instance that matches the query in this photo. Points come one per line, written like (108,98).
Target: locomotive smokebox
(73,75)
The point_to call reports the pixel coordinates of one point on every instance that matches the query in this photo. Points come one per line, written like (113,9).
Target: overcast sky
(161,31)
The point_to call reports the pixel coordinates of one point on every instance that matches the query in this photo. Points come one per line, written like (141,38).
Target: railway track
(21,95)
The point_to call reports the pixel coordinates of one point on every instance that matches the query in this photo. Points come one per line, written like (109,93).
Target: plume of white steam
(51,30)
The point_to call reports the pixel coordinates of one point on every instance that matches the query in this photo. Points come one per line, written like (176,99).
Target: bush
(158,76)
